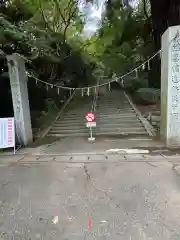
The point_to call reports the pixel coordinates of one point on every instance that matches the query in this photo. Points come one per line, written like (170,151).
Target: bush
(132,84)
(147,95)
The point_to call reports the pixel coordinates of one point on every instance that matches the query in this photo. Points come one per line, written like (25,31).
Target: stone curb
(45,132)
(149,128)
(87,159)
(120,152)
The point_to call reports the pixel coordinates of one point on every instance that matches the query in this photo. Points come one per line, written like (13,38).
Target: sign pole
(90,132)
(91,138)
(14,149)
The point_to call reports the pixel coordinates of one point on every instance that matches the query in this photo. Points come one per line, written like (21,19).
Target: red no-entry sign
(90,119)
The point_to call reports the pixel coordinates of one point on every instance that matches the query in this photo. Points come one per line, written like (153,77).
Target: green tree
(45,32)
(48,35)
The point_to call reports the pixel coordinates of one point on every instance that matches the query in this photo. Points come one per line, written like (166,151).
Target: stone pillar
(19,90)
(170,87)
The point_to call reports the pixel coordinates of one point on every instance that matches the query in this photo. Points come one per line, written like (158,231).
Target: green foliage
(124,40)
(132,84)
(46,34)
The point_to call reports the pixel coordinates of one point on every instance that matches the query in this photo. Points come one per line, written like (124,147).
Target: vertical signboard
(7,133)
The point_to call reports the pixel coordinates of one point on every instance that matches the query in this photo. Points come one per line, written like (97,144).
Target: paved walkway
(128,197)
(115,117)
(102,144)
(123,155)
(70,189)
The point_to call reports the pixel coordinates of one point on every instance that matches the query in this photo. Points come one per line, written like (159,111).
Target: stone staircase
(115,116)
(72,122)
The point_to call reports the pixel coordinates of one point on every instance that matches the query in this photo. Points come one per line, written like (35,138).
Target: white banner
(7,133)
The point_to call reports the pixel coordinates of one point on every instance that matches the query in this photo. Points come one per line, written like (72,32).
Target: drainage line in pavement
(95,162)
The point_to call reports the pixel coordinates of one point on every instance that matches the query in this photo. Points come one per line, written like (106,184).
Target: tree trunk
(165,13)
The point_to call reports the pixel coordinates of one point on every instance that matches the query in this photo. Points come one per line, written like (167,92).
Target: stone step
(156,124)
(115,114)
(155,118)
(63,131)
(156,113)
(105,107)
(114,123)
(133,133)
(82,111)
(115,111)
(99,116)
(121,105)
(99,121)
(108,124)
(112,100)
(114,103)
(102,110)
(130,121)
(107,116)
(98,129)
(119,111)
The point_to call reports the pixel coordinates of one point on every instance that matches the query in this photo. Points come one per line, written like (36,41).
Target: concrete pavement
(111,196)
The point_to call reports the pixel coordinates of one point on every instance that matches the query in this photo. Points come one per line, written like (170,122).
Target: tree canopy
(45,33)
(49,33)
